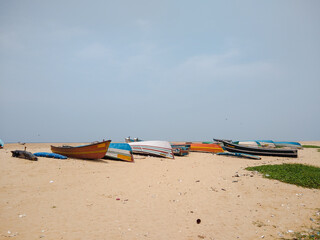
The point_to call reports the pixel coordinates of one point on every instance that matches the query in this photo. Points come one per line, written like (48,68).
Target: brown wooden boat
(92,151)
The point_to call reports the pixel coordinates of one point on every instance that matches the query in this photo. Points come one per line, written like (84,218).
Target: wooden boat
(260,151)
(241,155)
(155,148)
(180,149)
(119,151)
(205,147)
(91,151)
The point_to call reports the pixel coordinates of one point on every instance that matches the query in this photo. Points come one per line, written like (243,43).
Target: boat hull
(230,147)
(294,145)
(91,151)
(154,148)
(204,147)
(119,151)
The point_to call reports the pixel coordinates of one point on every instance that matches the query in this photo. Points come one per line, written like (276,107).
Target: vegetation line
(310,146)
(298,174)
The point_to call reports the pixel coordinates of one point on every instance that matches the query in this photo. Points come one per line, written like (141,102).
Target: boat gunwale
(91,151)
(81,146)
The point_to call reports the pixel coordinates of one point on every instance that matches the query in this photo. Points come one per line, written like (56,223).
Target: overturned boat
(260,151)
(119,151)
(154,148)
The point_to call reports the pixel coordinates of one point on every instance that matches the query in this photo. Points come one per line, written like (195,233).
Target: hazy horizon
(74,71)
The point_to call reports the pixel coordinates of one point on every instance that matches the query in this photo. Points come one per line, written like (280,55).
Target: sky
(83,71)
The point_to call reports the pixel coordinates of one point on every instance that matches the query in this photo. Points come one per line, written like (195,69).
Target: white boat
(155,148)
(257,143)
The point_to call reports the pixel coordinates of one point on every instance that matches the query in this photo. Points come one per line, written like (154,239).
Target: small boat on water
(205,147)
(91,151)
(180,149)
(260,151)
(155,148)
(119,151)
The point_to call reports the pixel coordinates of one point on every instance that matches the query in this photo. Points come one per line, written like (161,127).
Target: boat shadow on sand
(90,160)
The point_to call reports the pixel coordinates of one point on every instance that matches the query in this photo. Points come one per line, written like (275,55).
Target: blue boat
(1,143)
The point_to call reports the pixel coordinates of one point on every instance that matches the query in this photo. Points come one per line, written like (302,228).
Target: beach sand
(152,198)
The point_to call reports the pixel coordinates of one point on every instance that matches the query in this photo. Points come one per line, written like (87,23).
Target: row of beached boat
(125,151)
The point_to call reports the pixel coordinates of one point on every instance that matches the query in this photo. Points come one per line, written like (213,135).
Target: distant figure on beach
(24,144)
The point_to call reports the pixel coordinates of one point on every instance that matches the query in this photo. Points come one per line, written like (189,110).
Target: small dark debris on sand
(24,154)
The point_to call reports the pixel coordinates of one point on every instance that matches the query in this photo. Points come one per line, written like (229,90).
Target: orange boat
(205,147)
(92,151)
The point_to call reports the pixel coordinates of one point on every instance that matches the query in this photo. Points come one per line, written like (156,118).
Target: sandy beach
(152,198)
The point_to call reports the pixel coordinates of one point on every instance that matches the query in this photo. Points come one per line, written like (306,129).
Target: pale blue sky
(81,71)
